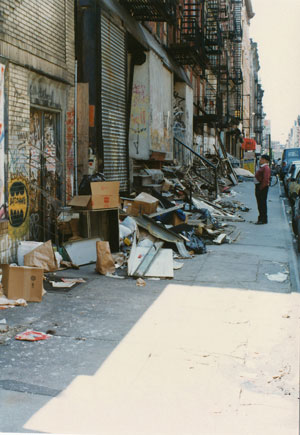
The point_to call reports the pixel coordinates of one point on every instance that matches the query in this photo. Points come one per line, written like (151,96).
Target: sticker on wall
(18,206)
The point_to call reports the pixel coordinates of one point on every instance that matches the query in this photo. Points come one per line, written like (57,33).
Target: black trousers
(261,198)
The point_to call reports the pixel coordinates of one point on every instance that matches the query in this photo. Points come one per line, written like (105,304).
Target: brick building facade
(37,105)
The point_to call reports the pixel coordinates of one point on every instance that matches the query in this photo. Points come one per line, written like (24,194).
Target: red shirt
(263,175)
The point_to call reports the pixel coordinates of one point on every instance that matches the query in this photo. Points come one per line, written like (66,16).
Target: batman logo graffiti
(18,202)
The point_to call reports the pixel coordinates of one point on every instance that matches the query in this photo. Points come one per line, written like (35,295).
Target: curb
(293,260)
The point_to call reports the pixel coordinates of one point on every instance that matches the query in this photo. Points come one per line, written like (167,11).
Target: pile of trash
(174,216)
(174,213)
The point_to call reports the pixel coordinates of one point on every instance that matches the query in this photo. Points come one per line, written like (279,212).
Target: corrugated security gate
(113,97)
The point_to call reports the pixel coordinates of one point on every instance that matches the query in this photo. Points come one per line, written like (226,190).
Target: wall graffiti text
(2,159)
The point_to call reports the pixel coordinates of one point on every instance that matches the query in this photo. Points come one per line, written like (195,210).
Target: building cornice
(249,9)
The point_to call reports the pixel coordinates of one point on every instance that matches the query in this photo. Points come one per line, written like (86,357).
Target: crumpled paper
(30,335)
(4,302)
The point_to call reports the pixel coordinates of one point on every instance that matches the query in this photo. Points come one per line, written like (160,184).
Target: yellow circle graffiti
(18,207)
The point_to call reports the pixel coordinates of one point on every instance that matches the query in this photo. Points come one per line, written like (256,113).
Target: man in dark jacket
(262,181)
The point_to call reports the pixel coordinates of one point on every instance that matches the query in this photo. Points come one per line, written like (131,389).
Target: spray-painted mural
(139,116)
(161,109)
(18,206)
(2,159)
(151,110)
(178,117)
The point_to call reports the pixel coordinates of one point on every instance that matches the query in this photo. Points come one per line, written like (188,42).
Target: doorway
(45,174)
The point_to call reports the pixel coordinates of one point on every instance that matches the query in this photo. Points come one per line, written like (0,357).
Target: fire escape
(259,113)
(223,75)
(152,10)
(213,105)
(188,47)
(236,75)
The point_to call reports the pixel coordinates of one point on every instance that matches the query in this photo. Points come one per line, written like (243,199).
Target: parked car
(296,220)
(291,175)
(289,155)
(294,188)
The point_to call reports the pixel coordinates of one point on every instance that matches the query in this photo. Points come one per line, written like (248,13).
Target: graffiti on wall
(160,132)
(46,170)
(179,127)
(18,159)
(2,129)
(139,115)
(18,207)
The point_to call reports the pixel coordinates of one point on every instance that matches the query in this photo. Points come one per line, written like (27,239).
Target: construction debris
(175,212)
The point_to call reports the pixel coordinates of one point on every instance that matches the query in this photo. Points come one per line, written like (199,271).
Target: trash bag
(195,243)
(85,185)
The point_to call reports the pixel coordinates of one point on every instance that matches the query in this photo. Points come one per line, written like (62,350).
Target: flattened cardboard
(80,201)
(22,282)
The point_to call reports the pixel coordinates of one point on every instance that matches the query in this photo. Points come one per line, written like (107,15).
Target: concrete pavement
(214,351)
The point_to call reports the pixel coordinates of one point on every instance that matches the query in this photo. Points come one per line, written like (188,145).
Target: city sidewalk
(214,351)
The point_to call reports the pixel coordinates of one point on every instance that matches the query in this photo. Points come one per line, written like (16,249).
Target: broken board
(162,265)
(82,252)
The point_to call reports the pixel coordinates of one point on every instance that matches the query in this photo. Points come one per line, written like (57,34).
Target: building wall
(161,107)
(151,120)
(246,68)
(39,34)
(37,49)
(183,121)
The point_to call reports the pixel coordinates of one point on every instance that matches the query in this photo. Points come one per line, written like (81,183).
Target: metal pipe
(75,133)
(196,154)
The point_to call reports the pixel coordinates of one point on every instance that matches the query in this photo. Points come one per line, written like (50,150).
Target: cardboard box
(166,185)
(144,204)
(105,194)
(177,221)
(127,206)
(22,282)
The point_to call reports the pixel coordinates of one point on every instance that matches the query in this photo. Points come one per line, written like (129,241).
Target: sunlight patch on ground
(200,360)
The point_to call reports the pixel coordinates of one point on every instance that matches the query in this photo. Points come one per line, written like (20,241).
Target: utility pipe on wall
(75,134)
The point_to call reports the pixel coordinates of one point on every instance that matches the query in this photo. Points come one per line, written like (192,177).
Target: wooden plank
(83,251)
(148,259)
(165,210)
(162,266)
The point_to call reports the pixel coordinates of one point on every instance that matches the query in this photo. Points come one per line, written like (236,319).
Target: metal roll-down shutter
(113,99)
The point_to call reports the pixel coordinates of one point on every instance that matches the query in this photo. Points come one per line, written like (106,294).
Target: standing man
(262,181)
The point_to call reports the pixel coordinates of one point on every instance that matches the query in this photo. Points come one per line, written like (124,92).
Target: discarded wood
(82,251)
(157,230)
(234,236)
(230,218)
(162,266)
(195,222)
(166,210)
(220,239)
(182,250)
(177,265)
(148,259)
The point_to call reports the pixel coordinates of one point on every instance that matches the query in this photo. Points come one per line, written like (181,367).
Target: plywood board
(82,251)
